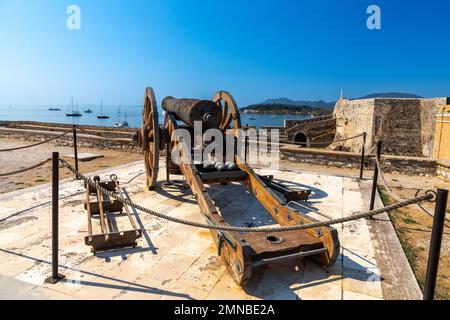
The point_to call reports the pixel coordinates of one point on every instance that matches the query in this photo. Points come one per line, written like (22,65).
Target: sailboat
(75,112)
(88,111)
(102,116)
(54,109)
(121,123)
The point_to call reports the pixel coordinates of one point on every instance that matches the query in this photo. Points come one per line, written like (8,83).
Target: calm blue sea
(133,116)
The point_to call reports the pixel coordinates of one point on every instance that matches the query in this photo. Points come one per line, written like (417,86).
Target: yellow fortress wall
(442,137)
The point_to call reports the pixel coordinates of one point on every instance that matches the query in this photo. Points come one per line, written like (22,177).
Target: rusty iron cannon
(241,252)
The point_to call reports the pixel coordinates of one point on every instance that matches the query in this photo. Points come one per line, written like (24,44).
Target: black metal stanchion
(363,151)
(75,149)
(55,277)
(168,160)
(246,143)
(375,177)
(435,244)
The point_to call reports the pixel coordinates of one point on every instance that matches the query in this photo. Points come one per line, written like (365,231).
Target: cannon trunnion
(240,252)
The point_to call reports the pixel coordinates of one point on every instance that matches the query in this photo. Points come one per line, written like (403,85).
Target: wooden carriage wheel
(231,119)
(169,129)
(150,135)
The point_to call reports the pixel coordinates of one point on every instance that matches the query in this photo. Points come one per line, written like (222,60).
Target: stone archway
(301,138)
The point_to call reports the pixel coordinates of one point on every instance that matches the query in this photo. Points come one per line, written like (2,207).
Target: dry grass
(413,228)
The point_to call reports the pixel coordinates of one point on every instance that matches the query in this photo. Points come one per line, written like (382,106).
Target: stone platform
(174,261)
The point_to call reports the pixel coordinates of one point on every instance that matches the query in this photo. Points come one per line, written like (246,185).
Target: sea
(132,114)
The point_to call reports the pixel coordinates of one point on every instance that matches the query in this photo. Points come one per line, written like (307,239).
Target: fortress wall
(406,126)
(429,109)
(398,123)
(354,117)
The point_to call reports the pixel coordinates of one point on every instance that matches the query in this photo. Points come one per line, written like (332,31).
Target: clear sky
(254,49)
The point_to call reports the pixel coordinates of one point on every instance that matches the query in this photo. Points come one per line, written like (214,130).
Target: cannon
(241,252)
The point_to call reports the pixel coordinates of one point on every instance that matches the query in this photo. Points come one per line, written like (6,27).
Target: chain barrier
(26,169)
(426,197)
(36,144)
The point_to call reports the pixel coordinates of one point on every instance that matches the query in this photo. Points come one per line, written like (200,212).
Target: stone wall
(429,109)
(317,130)
(397,123)
(406,126)
(443,169)
(354,117)
(390,163)
(83,140)
(441,149)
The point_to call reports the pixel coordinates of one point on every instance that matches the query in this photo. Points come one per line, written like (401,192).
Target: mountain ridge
(331,104)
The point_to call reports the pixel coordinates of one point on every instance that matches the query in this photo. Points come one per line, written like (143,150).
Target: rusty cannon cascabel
(241,252)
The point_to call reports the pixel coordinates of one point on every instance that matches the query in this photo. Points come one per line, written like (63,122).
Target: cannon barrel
(191,110)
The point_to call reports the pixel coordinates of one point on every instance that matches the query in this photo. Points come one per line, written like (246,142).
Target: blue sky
(253,49)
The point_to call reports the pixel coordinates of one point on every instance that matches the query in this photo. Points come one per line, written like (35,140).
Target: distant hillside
(330,105)
(391,95)
(277,108)
(289,102)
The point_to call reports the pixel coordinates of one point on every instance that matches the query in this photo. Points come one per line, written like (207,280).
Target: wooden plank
(111,206)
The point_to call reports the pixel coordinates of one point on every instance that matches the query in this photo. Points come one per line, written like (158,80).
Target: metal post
(246,143)
(75,149)
(375,177)
(55,277)
(435,244)
(363,152)
(167,161)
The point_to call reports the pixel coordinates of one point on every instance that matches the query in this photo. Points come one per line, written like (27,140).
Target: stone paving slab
(174,261)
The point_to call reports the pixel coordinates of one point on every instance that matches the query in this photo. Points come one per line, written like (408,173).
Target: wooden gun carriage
(240,251)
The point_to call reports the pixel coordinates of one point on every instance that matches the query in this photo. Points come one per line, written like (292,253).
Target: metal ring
(432,192)
(113,177)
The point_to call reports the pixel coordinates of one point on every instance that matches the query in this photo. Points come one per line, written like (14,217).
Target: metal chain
(356,216)
(36,144)
(26,169)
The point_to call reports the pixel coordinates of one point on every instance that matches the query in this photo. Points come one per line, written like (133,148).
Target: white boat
(121,123)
